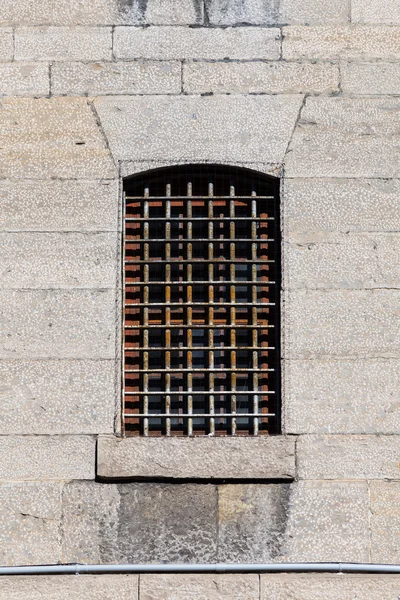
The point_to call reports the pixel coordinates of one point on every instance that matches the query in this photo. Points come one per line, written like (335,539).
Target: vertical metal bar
(232,254)
(123,301)
(146,311)
(189,299)
(211,376)
(167,309)
(254,310)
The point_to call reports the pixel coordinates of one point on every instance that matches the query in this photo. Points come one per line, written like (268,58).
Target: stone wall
(94,91)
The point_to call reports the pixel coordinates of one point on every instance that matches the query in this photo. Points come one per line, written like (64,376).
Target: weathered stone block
(253,77)
(170,12)
(348,457)
(252,520)
(342,396)
(58,324)
(69,587)
(6,44)
(32,260)
(29,524)
(314,12)
(308,586)
(193,587)
(341,42)
(148,77)
(59,205)
(26,79)
(342,137)
(238,12)
(328,522)
(170,43)
(230,128)
(371,78)
(375,11)
(61,131)
(331,260)
(27,458)
(385,522)
(352,323)
(196,458)
(20,12)
(340,205)
(139,523)
(57,397)
(63,43)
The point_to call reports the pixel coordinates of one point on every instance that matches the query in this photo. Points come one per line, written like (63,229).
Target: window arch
(201,280)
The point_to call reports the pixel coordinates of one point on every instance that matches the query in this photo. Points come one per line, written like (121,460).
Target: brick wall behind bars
(95,90)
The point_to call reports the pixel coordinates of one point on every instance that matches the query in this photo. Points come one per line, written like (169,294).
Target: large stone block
(29,458)
(63,43)
(139,523)
(196,458)
(371,78)
(252,521)
(345,205)
(69,587)
(343,137)
(58,260)
(385,522)
(150,77)
(259,77)
(6,44)
(59,205)
(341,42)
(302,586)
(57,324)
(328,522)
(314,12)
(57,397)
(24,79)
(29,524)
(352,323)
(323,260)
(375,11)
(20,12)
(193,587)
(171,43)
(342,396)
(230,128)
(170,12)
(57,137)
(348,457)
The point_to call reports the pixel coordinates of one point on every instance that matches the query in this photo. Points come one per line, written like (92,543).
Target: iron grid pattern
(201,297)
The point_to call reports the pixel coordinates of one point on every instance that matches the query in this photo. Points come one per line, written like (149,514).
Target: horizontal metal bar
(204,393)
(195,326)
(207,198)
(196,415)
(196,348)
(198,304)
(224,240)
(205,220)
(202,282)
(205,370)
(221,260)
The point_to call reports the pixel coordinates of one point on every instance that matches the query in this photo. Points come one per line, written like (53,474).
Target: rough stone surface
(314,12)
(29,458)
(303,586)
(70,587)
(139,523)
(20,12)
(341,42)
(385,522)
(193,587)
(371,78)
(342,137)
(342,396)
(32,260)
(320,260)
(24,79)
(61,131)
(340,205)
(196,458)
(257,127)
(6,44)
(57,324)
(171,43)
(170,12)
(138,77)
(29,525)
(252,521)
(349,457)
(375,11)
(257,77)
(59,206)
(328,522)
(57,397)
(63,43)
(353,323)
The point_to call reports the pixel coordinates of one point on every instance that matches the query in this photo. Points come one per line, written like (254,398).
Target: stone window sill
(255,458)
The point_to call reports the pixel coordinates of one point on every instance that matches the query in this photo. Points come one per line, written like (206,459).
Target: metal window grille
(201,303)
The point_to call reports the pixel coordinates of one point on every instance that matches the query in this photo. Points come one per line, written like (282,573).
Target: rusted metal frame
(197,260)
(139,198)
(210,326)
(167,318)
(216,304)
(145,340)
(205,370)
(203,282)
(124,304)
(199,415)
(232,254)
(198,326)
(254,311)
(216,240)
(189,313)
(157,348)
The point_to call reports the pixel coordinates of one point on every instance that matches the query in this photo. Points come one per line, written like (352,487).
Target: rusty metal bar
(167,381)
(145,341)
(210,326)
(189,298)
(232,254)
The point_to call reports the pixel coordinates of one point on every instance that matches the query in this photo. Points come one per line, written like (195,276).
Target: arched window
(201,302)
